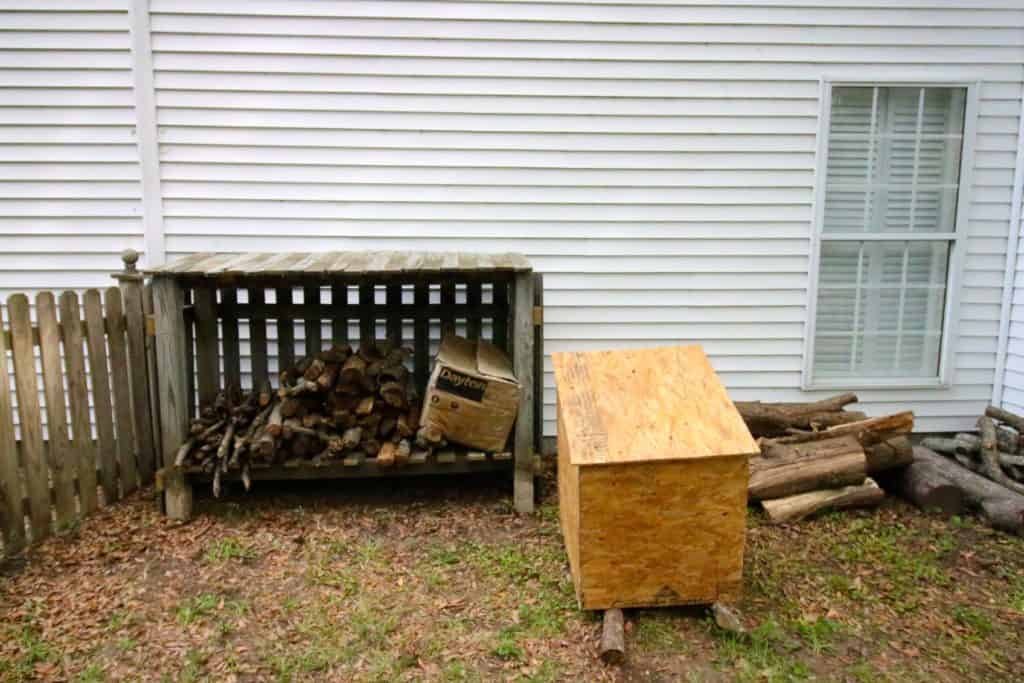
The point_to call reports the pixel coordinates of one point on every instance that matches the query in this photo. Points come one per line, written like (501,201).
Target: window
(887,234)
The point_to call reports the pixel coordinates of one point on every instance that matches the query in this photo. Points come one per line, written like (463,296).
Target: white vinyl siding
(70,193)
(656,159)
(887,232)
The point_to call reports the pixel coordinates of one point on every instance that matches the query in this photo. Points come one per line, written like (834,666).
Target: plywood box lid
(639,405)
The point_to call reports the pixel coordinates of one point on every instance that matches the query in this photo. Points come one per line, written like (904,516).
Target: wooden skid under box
(652,478)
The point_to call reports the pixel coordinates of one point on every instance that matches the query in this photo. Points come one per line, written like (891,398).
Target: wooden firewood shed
(204,302)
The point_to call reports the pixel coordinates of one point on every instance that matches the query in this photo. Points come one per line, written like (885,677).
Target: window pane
(893,159)
(880,309)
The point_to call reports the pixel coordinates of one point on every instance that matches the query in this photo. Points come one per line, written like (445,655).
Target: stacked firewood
(818,456)
(983,471)
(336,405)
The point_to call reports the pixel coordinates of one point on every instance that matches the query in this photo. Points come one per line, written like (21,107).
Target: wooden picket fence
(97,368)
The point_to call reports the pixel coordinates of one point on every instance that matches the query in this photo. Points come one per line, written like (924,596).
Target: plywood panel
(661,533)
(640,405)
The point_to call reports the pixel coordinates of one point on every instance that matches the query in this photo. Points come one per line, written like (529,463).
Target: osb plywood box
(652,477)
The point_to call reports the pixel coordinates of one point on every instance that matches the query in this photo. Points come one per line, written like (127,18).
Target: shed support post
(522,360)
(168,307)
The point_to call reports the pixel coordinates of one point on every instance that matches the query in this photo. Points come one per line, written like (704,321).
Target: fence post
(132,285)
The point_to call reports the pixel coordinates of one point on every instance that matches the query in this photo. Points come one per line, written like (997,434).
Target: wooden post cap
(130,258)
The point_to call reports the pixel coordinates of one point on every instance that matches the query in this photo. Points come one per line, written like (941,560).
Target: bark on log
(929,488)
(888,455)
(1012,419)
(979,491)
(353,370)
(867,432)
(990,456)
(803,505)
(806,467)
(386,454)
(613,637)
(773,419)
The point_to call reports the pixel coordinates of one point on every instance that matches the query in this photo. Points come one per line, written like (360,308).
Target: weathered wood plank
(538,360)
(37,475)
(211,264)
(135,333)
(127,467)
(522,362)
(62,467)
(258,337)
(421,336)
(207,348)
(285,329)
(394,319)
(367,322)
(447,307)
(190,353)
(82,446)
(168,306)
(101,391)
(152,379)
(339,304)
(229,335)
(499,323)
(12,514)
(473,317)
(314,340)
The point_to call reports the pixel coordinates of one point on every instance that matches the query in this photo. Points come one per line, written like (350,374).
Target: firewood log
(314,370)
(803,505)
(867,432)
(266,394)
(328,377)
(403,427)
(365,406)
(805,467)
(386,454)
(613,637)
(387,426)
(990,456)
(183,451)
(274,420)
(291,407)
(891,454)
(429,436)
(371,446)
(773,419)
(394,372)
(1012,419)
(394,394)
(225,443)
(928,488)
(403,450)
(351,438)
(996,502)
(353,370)
(301,386)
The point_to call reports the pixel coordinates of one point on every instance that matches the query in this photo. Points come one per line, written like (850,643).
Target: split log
(806,467)
(353,370)
(183,451)
(394,394)
(613,637)
(773,419)
(222,451)
(980,492)
(365,406)
(315,369)
(386,454)
(329,376)
(273,427)
(928,488)
(301,386)
(803,505)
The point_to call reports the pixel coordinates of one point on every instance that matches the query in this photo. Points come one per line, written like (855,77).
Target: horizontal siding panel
(726,13)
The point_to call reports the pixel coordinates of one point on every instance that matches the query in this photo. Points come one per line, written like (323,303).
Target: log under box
(652,478)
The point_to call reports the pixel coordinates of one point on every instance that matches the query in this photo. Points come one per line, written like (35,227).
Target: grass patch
(978,622)
(764,654)
(228,549)
(196,608)
(818,634)
(34,650)
(507,647)
(656,632)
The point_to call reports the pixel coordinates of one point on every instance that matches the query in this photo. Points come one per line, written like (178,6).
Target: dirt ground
(439,581)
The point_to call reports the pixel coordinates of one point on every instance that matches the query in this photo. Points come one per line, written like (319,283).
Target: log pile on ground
(983,471)
(335,406)
(819,456)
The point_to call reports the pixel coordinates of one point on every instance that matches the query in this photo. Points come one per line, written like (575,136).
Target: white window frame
(957,239)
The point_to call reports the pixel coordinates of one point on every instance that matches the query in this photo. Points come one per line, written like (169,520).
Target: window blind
(893,162)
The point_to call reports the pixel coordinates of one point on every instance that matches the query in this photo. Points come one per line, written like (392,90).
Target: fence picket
(62,465)
(83,452)
(151,378)
(135,332)
(102,402)
(12,516)
(229,333)
(37,478)
(122,396)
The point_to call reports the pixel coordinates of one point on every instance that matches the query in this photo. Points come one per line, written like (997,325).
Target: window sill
(879,383)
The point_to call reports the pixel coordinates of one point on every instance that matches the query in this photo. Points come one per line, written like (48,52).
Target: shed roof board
(339,262)
(642,405)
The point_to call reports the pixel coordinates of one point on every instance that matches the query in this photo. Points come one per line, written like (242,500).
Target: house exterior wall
(1012,393)
(655,160)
